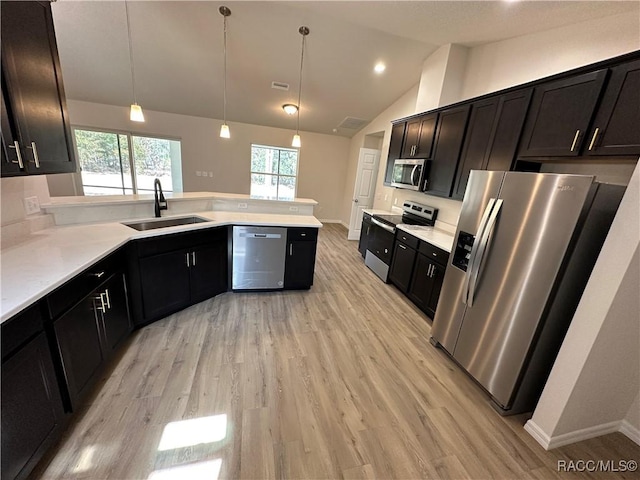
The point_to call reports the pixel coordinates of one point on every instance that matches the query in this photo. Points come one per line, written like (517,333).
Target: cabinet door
(437,278)
(80,347)
(300,264)
(116,322)
(208,272)
(164,282)
(10,163)
(449,137)
(476,143)
(411,136)
(421,282)
(32,409)
(34,87)
(427,134)
(402,266)
(395,150)
(616,129)
(364,237)
(560,115)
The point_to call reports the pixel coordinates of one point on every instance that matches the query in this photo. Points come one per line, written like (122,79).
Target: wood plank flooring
(336,382)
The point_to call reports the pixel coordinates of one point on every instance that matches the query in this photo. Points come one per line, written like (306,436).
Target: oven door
(408,174)
(380,249)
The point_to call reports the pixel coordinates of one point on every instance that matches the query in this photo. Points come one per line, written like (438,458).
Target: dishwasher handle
(260,236)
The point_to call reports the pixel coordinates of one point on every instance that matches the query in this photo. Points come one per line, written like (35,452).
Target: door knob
(355,200)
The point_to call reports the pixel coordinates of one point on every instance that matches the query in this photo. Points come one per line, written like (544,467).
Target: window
(107,167)
(273,172)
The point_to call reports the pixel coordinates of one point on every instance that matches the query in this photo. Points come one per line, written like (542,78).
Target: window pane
(100,162)
(152,159)
(258,159)
(286,188)
(264,186)
(288,162)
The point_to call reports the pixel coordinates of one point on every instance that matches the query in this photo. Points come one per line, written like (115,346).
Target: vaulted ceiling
(177,47)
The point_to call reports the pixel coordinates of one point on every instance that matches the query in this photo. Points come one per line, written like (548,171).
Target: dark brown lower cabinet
(300,261)
(426,284)
(32,409)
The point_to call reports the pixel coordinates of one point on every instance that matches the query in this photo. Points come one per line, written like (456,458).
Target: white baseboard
(549,443)
(630,431)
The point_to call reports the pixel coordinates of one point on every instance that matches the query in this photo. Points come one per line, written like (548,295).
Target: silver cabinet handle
(429,271)
(593,140)
(402,246)
(36,160)
(193,258)
(97,274)
(106,294)
(575,140)
(101,307)
(187,254)
(291,249)
(16,145)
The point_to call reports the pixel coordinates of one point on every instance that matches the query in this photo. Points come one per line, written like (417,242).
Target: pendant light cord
(133,81)
(304,35)
(224,93)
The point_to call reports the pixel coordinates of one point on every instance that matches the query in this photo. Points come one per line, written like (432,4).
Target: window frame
(278,175)
(129,134)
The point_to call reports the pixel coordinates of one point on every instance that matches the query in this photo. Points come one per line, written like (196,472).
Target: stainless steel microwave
(410,174)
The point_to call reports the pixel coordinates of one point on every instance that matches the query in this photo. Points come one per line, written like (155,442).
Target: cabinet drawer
(434,253)
(302,234)
(407,239)
(20,328)
(66,296)
(179,241)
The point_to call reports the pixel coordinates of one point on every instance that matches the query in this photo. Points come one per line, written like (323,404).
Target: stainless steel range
(383,230)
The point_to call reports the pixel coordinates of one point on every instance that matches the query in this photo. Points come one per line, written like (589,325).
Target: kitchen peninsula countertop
(48,258)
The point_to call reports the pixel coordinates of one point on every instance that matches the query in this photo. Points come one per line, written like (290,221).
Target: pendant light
(135,115)
(304,31)
(224,129)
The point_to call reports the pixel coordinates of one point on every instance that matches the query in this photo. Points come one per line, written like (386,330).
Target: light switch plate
(242,205)
(31,205)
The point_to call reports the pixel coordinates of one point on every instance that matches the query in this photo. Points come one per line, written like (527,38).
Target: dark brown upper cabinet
(395,149)
(36,137)
(418,137)
(446,150)
(616,127)
(492,135)
(560,114)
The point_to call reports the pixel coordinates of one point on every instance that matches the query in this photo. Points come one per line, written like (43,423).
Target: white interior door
(364,189)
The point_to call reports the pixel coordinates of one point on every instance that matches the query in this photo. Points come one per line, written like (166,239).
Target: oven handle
(383,226)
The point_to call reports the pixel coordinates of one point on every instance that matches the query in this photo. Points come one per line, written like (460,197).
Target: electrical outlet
(242,205)
(31,205)
(210,174)
(386,196)
(395,201)
(198,173)
(293,209)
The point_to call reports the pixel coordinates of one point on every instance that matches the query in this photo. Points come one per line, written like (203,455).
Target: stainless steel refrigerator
(524,249)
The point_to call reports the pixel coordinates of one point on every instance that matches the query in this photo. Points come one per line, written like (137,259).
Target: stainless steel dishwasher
(258,258)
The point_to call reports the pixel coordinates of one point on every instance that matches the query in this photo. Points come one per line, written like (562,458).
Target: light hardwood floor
(336,382)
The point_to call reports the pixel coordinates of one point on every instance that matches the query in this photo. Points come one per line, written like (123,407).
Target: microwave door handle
(413,174)
(474,249)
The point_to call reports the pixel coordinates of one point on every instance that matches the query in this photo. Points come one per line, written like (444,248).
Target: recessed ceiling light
(290,108)
(379,68)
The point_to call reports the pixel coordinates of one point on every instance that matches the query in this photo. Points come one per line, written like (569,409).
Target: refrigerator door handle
(482,250)
(474,249)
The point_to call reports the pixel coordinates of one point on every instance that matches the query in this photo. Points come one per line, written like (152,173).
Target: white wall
(15,222)
(503,64)
(595,381)
(323,158)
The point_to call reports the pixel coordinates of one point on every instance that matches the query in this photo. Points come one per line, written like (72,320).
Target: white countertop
(50,257)
(435,236)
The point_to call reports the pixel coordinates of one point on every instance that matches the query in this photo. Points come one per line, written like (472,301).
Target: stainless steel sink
(163,223)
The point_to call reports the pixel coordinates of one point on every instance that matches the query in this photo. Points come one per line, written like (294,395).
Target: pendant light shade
(304,31)
(135,115)
(224,129)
